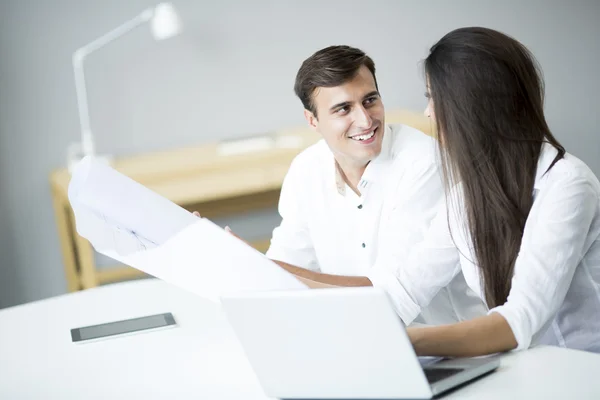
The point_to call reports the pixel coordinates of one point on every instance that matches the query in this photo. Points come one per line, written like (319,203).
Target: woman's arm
(553,244)
(480,336)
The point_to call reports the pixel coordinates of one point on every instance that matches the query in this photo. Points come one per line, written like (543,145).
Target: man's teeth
(364,137)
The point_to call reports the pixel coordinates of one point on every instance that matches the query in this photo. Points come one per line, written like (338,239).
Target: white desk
(201,359)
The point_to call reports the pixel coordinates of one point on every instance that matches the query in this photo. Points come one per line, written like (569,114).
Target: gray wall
(231,74)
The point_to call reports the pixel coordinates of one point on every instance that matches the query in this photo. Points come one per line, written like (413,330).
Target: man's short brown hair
(329,67)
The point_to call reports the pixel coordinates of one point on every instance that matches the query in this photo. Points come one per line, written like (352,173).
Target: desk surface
(201,359)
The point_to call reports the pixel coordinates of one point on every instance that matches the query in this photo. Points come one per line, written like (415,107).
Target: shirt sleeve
(291,241)
(417,256)
(552,247)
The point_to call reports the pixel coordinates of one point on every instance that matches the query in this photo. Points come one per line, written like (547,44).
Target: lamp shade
(165,22)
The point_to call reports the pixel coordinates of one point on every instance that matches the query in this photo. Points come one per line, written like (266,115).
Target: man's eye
(371,100)
(342,110)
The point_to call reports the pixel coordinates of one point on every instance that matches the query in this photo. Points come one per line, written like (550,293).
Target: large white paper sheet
(126,221)
(123,202)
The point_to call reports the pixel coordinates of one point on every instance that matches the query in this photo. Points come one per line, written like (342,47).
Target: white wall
(231,74)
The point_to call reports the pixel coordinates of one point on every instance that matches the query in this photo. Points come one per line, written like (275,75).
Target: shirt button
(364,245)
(360,206)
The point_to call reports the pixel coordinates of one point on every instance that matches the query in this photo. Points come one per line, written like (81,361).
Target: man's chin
(368,154)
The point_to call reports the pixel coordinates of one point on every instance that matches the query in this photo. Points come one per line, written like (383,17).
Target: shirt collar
(547,155)
(340,184)
(373,172)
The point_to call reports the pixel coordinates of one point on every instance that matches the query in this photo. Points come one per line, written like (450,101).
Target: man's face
(350,118)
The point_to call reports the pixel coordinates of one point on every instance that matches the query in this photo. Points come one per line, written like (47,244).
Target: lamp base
(75,154)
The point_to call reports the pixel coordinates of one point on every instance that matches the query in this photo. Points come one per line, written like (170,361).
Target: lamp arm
(119,31)
(82,105)
(79,55)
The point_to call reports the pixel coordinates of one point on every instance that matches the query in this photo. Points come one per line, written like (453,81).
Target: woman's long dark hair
(488,100)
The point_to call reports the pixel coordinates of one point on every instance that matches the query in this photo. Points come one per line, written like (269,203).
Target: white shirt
(555,293)
(327,227)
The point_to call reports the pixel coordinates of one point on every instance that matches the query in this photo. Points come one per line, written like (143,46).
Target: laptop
(342,343)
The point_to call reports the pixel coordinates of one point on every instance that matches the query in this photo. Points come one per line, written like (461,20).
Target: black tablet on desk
(123,327)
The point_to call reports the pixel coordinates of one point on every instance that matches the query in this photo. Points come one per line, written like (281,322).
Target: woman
(522,216)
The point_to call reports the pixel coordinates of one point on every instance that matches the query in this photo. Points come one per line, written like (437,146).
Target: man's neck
(351,174)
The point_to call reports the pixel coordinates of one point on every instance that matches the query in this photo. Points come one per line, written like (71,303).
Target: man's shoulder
(412,145)
(312,157)
(310,162)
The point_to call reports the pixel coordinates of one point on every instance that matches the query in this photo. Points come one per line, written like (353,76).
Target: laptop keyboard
(437,374)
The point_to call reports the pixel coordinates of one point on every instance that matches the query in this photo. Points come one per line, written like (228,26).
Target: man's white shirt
(327,227)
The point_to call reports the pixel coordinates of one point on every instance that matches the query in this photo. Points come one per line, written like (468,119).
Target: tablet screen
(122,327)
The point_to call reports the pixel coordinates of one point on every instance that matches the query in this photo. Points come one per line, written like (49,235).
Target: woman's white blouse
(555,293)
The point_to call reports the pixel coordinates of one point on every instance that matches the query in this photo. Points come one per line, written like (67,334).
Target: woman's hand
(477,337)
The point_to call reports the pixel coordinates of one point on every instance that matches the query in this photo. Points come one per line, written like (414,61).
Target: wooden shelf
(212,178)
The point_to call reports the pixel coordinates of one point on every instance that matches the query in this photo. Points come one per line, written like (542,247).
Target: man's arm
(319,280)
(291,244)
(313,279)
(314,284)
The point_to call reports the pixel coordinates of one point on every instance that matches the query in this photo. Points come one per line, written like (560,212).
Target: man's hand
(227,228)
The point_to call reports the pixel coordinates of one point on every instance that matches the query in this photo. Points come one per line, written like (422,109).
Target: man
(362,196)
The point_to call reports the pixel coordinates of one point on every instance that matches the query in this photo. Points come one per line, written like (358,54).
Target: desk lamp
(164,23)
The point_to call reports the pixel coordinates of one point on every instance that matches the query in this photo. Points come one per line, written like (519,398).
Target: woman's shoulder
(567,172)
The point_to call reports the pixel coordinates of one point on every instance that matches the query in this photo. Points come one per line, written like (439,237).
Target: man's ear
(312,120)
